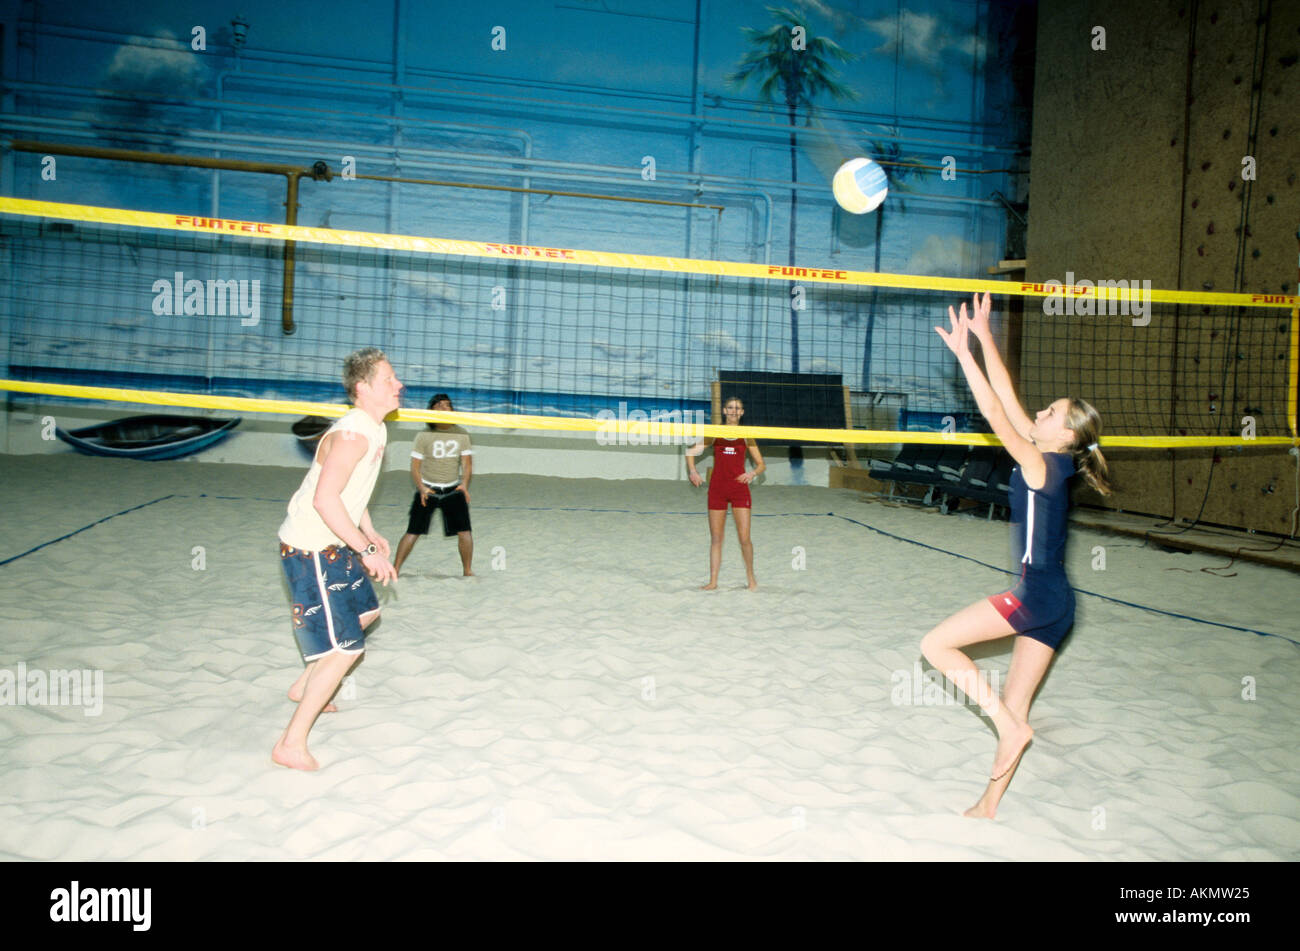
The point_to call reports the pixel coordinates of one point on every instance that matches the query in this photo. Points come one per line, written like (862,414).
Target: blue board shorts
(330,591)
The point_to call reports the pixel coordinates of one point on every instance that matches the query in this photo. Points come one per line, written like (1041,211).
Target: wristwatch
(368,550)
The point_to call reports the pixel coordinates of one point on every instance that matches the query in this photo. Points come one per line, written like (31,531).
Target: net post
(1293,391)
(848,424)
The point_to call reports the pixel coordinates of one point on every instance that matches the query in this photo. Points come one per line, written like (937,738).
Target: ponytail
(1092,464)
(1085,422)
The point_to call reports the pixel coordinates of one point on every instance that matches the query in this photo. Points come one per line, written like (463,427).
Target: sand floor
(583,699)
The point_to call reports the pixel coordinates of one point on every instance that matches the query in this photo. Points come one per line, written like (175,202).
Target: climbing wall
(1145,117)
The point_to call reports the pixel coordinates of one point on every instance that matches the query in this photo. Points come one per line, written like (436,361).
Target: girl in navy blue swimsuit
(1060,441)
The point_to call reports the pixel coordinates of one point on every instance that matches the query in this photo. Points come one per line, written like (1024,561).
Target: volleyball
(860,186)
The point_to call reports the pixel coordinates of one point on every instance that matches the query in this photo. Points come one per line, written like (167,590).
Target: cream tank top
(303,527)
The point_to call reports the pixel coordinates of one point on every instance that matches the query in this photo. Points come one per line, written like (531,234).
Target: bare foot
(711,586)
(295,694)
(469,574)
(753,584)
(984,809)
(1010,746)
(294,759)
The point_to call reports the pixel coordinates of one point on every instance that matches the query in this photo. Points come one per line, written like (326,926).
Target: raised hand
(979,321)
(956,337)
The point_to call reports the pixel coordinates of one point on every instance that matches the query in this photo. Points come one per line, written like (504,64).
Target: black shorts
(455,513)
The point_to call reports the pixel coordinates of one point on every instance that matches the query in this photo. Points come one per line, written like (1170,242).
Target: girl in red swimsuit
(728,484)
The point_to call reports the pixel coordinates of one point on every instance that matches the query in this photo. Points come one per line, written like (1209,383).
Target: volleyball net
(180,310)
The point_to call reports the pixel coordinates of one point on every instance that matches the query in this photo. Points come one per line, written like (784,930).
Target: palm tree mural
(898,168)
(797,68)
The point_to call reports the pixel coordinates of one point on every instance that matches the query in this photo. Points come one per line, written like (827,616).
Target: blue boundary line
(83,528)
(913,541)
(1103,597)
(845,518)
(515,508)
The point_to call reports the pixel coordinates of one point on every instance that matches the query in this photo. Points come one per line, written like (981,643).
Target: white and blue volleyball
(860,186)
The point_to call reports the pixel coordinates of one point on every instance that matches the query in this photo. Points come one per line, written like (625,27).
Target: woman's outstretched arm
(999,378)
(1032,465)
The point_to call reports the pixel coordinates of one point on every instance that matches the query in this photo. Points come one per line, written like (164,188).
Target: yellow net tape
(198,224)
(650,429)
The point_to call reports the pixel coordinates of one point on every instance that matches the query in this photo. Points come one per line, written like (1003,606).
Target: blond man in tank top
(329,548)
